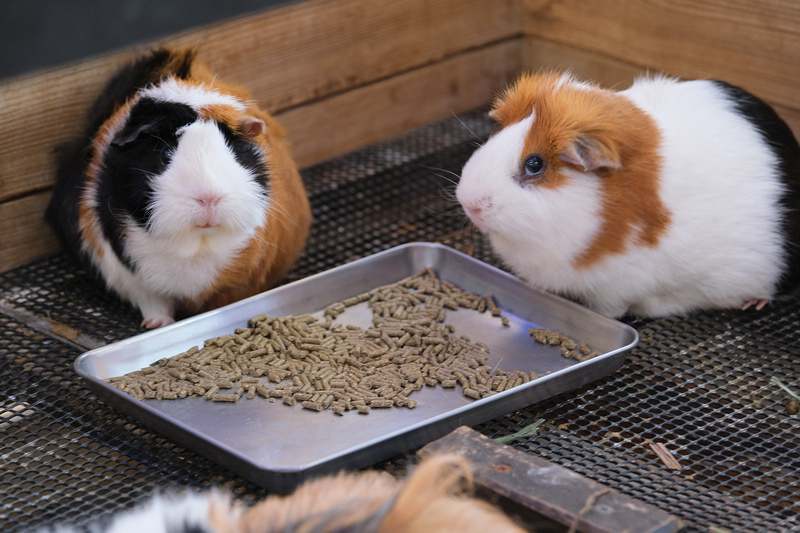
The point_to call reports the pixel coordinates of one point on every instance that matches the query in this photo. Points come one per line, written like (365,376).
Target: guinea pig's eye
(534,165)
(166,155)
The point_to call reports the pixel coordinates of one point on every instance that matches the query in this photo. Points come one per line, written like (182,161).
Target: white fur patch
(568,80)
(176,513)
(195,96)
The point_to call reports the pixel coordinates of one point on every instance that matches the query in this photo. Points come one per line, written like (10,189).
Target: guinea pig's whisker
(162,140)
(460,121)
(147,173)
(449,195)
(119,217)
(263,240)
(497,365)
(444,174)
(285,214)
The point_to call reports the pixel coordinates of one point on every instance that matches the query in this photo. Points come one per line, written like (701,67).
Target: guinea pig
(181,194)
(665,198)
(430,499)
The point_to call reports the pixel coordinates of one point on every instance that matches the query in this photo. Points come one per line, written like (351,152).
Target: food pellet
(569,348)
(314,406)
(221,397)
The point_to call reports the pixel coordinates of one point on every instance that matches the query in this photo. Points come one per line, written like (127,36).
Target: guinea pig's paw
(757,303)
(153,322)
(156,311)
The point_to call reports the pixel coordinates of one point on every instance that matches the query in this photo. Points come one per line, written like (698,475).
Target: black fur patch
(149,69)
(783,142)
(139,152)
(248,154)
(73,157)
(62,212)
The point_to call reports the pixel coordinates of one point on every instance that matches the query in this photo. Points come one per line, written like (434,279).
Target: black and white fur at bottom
(435,497)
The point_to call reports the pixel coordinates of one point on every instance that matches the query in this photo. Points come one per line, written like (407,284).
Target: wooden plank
(327,128)
(608,71)
(548,489)
(24,235)
(317,48)
(286,57)
(370,114)
(752,44)
(542,54)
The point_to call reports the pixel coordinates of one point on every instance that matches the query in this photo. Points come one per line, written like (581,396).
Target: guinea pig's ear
(252,127)
(131,132)
(591,154)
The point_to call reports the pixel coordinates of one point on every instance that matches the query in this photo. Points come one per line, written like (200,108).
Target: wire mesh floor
(702,385)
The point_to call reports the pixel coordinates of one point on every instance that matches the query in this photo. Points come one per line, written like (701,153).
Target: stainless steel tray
(277,446)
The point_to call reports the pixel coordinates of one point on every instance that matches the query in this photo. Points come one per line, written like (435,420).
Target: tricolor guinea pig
(432,498)
(182,194)
(667,197)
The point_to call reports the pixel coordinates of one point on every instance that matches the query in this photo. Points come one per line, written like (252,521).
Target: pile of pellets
(569,348)
(321,364)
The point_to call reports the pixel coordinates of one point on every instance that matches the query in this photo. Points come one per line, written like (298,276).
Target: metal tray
(278,447)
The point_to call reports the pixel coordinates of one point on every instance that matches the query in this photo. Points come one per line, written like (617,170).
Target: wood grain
(376,112)
(607,71)
(752,44)
(532,487)
(24,235)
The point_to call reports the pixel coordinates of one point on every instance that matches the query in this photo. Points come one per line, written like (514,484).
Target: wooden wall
(341,74)
(755,45)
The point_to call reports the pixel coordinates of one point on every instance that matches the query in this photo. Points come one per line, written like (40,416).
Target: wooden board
(518,481)
(605,70)
(24,235)
(752,44)
(369,114)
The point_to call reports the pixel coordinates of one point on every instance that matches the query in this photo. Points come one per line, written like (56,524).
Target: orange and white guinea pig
(668,197)
(431,500)
(181,194)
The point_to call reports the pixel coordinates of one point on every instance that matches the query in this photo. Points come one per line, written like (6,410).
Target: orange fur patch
(431,499)
(223,515)
(610,132)
(219,113)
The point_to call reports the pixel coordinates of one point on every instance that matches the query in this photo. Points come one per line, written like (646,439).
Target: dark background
(39,34)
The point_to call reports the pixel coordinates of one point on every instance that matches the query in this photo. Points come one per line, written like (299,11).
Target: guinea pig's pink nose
(208,210)
(208,201)
(475,208)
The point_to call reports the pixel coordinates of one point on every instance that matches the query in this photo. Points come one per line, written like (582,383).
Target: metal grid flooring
(700,384)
